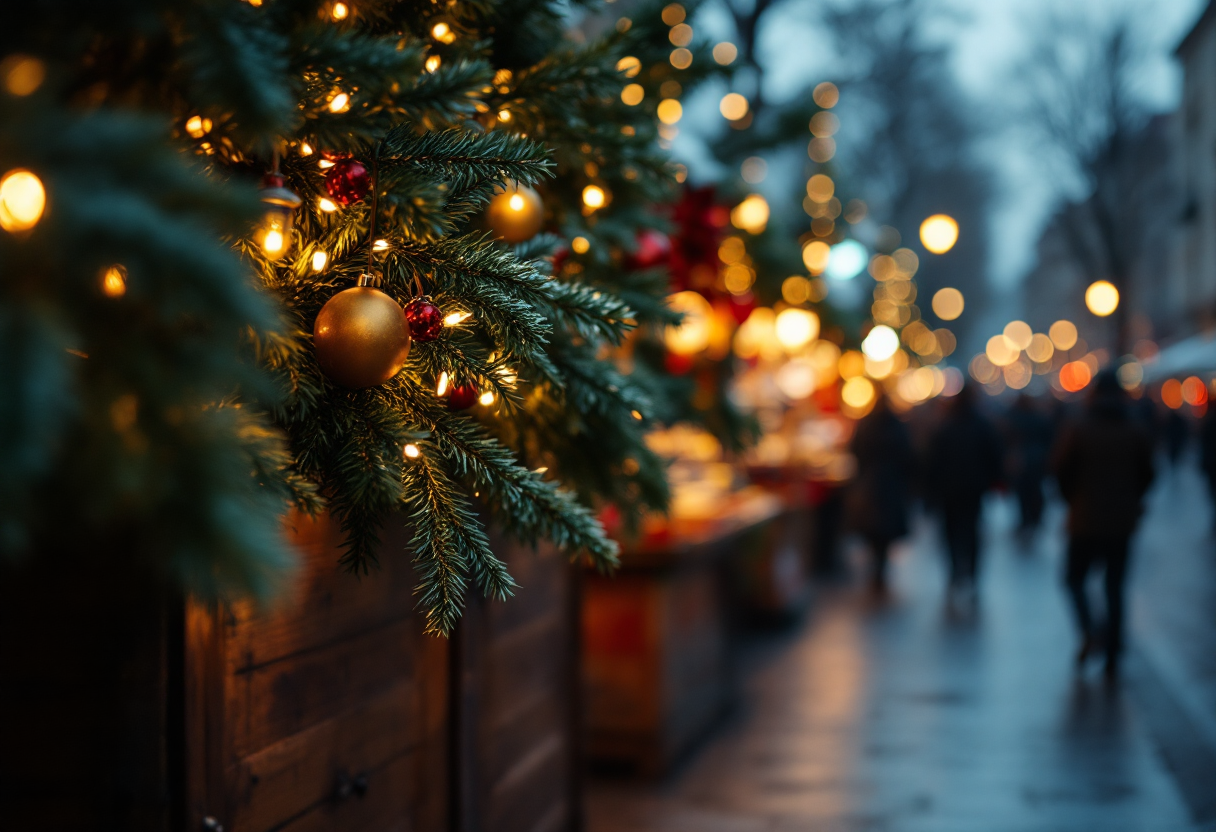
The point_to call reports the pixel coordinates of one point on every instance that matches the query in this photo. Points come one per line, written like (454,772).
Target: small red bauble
(462,397)
(653,250)
(426,319)
(348,181)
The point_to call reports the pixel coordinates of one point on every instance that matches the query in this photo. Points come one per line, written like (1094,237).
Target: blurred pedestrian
(1029,433)
(964,463)
(1207,450)
(1104,466)
(879,497)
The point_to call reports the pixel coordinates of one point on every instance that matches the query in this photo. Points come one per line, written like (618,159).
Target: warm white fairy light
(327,205)
(442,387)
(319,260)
(486,398)
(412,452)
(456,318)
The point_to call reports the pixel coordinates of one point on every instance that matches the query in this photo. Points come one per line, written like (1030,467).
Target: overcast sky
(988,41)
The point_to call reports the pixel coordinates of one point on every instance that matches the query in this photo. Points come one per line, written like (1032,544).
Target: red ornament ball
(426,319)
(463,397)
(653,250)
(348,181)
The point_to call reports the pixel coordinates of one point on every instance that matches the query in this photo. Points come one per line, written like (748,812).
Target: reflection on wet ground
(916,715)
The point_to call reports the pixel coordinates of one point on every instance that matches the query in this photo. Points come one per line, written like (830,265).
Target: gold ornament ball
(362,338)
(516,214)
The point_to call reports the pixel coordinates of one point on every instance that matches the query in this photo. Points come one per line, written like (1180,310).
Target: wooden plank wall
(327,713)
(516,704)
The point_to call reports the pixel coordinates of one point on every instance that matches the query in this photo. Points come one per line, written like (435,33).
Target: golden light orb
(939,233)
(594,197)
(725,53)
(796,328)
(692,335)
(1063,334)
(733,106)
(22,200)
(1102,298)
(1019,334)
(948,303)
(751,214)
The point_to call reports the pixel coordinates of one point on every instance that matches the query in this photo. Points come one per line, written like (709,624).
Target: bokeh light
(1019,334)
(1102,298)
(1040,349)
(796,328)
(1000,352)
(948,303)
(826,95)
(1194,391)
(857,392)
(846,260)
(733,106)
(880,344)
(1171,393)
(751,214)
(1075,376)
(22,200)
(692,335)
(939,233)
(816,255)
(1063,334)
(725,53)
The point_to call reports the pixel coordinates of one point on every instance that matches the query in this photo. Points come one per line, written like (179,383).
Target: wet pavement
(915,716)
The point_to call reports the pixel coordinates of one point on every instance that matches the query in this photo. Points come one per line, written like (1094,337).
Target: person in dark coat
(964,463)
(1029,440)
(882,447)
(1104,466)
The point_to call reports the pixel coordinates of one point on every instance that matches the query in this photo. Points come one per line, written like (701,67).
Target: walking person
(1104,466)
(882,447)
(1030,437)
(964,463)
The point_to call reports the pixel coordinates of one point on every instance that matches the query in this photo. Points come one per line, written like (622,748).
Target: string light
(442,32)
(580,245)
(939,233)
(380,245)
(594,197)
(1102,298)
(456,318)
(670,111)
(114,281)
(305,149)
(432,63)
(197,126)
(340,103)
(319,260)
(629,65)
(442,388)
(486,398)
(633,94)
(412,452)
(504,115)
(340,11)
(22,200)
(327,205)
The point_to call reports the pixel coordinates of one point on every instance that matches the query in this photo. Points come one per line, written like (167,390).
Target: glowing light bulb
(273,243)
(516,202)
(486,398)
(432,63)
(456,318)
(442,387)
(197,126)
(327,205)
(114,281)
(796,328)
(412,452)
(580,245)
(594,197)
(733,106)
(340,103)
(751,214)
(319,260)
(504,115)
(22,200)
(305,149)
(442,32)
(380,245)
(340,11)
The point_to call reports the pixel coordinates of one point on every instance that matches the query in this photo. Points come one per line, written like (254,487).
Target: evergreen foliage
(188,414)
